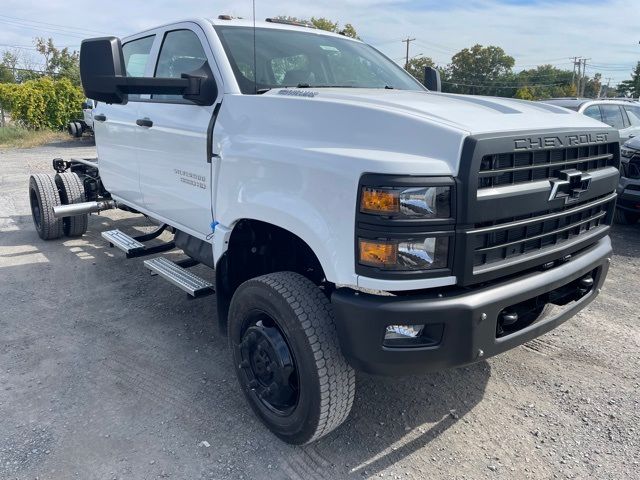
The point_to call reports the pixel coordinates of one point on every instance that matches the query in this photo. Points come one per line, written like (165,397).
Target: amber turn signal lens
(379,201)
(378,254)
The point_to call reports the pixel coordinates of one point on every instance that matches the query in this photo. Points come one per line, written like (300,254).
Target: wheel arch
(252,248)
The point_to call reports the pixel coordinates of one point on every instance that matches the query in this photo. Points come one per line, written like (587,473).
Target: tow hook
(508,317)
(585,284)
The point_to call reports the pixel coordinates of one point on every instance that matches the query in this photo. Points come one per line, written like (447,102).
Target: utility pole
(583,83)
(573,77)
(607,88)
(407,41)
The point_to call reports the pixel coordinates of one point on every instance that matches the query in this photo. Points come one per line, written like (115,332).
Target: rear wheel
(626,218)
(43,196)
(71,191)
(72,128)
(287,357)
(79,130)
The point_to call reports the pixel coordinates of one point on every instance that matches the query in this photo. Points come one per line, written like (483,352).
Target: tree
(631,88)
(544,81)
(479,70)
(8,72)
(61,63)
(325,24)
(416,67)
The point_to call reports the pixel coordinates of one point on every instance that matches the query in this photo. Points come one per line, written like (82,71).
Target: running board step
(180,277)
(124,242)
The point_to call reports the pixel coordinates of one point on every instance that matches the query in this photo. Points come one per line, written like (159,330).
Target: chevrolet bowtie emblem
(571,184)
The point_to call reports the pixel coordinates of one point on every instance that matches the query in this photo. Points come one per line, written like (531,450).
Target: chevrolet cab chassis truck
(354,219)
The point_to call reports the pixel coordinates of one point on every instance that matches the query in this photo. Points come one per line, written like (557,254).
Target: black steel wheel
(43,196)
(71,191)
(287,357)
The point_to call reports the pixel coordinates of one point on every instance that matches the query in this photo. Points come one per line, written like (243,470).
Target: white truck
(77,128)
(354,219)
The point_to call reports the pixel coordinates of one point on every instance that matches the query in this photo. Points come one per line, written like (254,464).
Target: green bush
(42,103)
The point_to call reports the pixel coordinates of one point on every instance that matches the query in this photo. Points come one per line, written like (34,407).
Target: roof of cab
(247,22)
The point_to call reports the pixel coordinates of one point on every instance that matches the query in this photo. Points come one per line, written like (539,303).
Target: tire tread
(336,377)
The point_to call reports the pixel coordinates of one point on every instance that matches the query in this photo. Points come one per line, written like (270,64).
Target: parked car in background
(77,127)
(628,207)
(621,114)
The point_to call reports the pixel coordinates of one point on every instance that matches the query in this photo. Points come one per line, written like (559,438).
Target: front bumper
(629,194)
(468,335)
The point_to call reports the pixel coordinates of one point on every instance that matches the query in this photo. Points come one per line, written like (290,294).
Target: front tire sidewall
(291,428)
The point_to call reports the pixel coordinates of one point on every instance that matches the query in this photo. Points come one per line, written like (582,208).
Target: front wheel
(287,357)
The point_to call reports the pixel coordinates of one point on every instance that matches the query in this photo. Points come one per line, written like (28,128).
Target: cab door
(116,132)
(175,174)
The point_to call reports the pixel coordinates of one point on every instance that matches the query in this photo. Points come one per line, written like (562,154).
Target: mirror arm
(164,86)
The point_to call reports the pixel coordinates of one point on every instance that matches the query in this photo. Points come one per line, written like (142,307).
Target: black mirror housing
(101,63)
(432,79)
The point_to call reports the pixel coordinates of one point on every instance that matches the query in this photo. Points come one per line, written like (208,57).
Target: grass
(18,137)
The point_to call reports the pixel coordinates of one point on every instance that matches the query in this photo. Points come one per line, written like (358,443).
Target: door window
(593,112)
(181,52)
(136,56)
(612,115)
(633,112)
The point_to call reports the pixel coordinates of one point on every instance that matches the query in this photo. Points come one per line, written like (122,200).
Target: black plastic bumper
(468,335)
(629,194)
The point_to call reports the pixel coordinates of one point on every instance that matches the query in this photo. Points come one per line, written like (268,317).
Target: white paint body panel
(296,162)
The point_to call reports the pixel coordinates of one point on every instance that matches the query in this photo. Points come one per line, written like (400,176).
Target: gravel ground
(108,373)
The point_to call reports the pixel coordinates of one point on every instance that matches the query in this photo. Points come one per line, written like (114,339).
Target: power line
(55,25)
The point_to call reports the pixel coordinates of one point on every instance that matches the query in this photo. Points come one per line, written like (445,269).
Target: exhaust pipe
(81,208)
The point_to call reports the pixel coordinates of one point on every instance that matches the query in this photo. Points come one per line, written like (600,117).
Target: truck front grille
(509,238)
(522,209)
(527,166)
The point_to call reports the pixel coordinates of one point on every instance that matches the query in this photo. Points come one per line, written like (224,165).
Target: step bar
(180,277)
(133,246)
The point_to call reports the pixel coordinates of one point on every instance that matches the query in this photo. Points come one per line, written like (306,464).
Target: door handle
(144,122)
(100,117)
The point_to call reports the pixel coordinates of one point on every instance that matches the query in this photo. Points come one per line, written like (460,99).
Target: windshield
(286,58)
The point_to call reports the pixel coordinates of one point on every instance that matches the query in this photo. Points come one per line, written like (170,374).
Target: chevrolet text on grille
(539,143)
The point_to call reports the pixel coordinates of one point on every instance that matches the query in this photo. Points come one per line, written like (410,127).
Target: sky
(532,31)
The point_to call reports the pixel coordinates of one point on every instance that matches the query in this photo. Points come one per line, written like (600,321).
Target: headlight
(414,202)
(426,253)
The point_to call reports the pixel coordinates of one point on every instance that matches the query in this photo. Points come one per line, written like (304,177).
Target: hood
(634,143)
(472,114)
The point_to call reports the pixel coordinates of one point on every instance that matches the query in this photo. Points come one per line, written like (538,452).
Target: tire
(43,196)
(71,191)
(72,128)
(78,133)
(625,218)
(318,392)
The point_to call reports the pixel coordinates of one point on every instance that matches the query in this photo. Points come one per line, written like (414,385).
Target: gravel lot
(106,372)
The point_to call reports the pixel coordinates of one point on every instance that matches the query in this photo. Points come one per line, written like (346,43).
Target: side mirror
(87,105)
(104,77)
(432,79)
